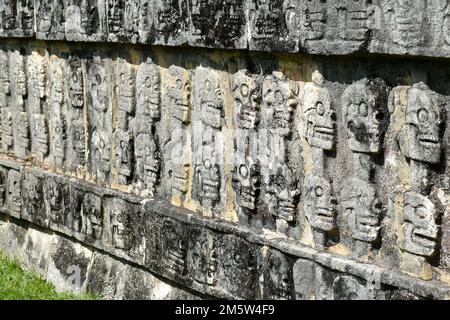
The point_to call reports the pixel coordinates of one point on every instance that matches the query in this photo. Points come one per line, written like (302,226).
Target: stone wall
(228,173)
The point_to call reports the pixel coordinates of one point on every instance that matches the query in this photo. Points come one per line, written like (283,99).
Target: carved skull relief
(353,17)
(408,21)
(314,18)
(246,182)
(74,78)
(364,104)
(362,210)
(174,246)
(202,258)
(319,203)
(92,216)
(246,93)
(123,152)
(279,99)
(212,102)
(179,94)
(319,117)
(148,83)
(419,229)
(125,87)
(54,199)
(102,150)
(14,190)
(420,137)
(284,193)
(279,282)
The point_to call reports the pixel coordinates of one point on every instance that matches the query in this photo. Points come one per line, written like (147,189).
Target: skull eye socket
(244,90)
(207,164)
(243,171)
(423,115)
(179,84)
(319,191)
(421,212)
(363,109)
(320,109)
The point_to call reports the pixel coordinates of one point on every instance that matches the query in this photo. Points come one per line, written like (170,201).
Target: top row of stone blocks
(399,27)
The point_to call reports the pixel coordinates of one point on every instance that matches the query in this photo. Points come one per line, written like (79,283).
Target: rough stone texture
(230,174)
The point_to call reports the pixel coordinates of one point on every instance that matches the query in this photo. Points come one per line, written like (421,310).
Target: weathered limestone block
(51,22)
(278,276)
(124,227)
(273,25)
(218,24)
(33,208)
(11,187)
(17,18)
(85,20)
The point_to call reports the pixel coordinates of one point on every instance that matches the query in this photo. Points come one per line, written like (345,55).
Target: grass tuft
(17,284)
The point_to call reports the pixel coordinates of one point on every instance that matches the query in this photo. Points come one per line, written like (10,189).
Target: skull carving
(179,171)
(319,204)
(419,229)
(246,183)
(354,14)
(33,194)
(280,99)
(90,16)
(283,193)
(420,137)
(148,82)
(364,105)
(174,246)
(78,138)
(165,14)
(115,15)
(54,199)
(319,117)
(268,18)
(212,102)
(102,150)
(123,152)
(75,82)
(362,209)
(152,163)
(246,92)
(125,87)
(119,222)
(314,18)
(14,190)
(408,22)
(8,14)
(209,173)
(279,280)
(92,214)
(180,94)
(202,258)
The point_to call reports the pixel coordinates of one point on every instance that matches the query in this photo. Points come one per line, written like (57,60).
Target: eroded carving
(278,278)
(202,257)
